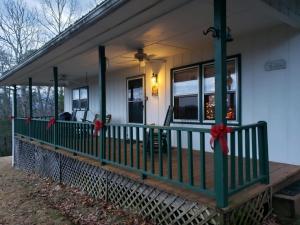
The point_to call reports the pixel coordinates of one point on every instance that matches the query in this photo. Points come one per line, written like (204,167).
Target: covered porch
(178,157)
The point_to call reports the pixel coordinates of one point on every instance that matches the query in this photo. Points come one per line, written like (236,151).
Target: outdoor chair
(167,123)
(81,115)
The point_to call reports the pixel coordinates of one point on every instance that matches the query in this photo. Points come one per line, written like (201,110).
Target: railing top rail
(193,129)
(248,126)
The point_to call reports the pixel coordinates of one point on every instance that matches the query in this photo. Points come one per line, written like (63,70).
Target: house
(134,59)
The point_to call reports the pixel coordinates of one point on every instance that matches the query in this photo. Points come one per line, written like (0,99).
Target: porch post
(14,115)
(220,165)
(102,80)
(55,80)
(14,111)
(30,103)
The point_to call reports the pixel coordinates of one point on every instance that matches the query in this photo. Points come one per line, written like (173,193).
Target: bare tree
(5,61)
(19,32)
(58,15)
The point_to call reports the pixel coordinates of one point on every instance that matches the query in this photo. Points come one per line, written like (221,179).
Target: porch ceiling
(163,28)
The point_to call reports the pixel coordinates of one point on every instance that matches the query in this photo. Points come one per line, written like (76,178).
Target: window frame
(237,122)
(88,98)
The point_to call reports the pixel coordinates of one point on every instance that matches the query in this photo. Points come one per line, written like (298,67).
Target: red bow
(28,120)
(218,132)
(51,123)
(98,125)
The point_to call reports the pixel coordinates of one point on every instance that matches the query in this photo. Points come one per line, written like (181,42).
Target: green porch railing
(173,154)
(76,137)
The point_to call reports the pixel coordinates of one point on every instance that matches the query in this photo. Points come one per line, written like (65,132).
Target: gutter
(99,12)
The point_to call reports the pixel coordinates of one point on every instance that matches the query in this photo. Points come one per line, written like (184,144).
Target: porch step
(286,202)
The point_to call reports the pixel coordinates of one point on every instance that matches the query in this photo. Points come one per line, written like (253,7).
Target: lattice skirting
(150,202)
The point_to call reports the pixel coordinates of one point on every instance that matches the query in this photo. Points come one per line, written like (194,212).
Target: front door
(135,100)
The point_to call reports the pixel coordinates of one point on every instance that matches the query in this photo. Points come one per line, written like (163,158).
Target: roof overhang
(162,27)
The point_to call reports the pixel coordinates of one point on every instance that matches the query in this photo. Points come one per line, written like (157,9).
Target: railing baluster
(247,152)
(114,143)
(78,136)
(97,145)
(84,139)
(92,139)
(87,130)
(190,159)
(137,133)
(151,150)
(160,152)
(232,160)
(179,156)
(254,152)
(202,161)
(169,155)
(109,141)
(240,158)
(260,150)
(131,146)
(144,152)
(119,143)
(125,144)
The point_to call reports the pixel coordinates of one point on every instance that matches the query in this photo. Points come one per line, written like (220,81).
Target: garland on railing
(51,122)
(219,132)
(98,126)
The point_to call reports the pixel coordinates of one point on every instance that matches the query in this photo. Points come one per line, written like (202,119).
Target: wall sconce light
(154,84)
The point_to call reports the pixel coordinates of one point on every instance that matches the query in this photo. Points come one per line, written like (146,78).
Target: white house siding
(271,96)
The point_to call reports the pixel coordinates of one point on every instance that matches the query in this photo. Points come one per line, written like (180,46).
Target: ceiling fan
(141,57)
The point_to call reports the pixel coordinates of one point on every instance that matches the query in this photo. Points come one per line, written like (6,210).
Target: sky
(84,5)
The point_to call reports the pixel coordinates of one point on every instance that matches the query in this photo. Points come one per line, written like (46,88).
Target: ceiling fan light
(142,63)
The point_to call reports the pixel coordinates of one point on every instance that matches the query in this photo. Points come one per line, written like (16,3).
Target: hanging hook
(216,33)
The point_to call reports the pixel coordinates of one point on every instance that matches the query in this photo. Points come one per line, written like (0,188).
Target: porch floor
(281,175)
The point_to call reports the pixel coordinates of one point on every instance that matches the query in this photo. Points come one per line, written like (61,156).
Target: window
(194,103)
(208,71)
(80,99)
(186,94)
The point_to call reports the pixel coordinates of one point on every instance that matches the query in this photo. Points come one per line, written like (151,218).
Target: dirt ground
(31,200)
(28,200)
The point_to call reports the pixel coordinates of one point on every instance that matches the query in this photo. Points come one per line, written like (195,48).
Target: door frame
(143,77)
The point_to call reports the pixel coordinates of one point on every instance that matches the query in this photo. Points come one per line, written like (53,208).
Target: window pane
(84,103)
(83,93)
(186,107)
(75,104)
(185,81)
(231,75)
(135,90)
(209,78)
(209,106)
(76,94)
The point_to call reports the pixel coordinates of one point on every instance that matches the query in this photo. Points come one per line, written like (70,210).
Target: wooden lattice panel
(253,211)
(162,207)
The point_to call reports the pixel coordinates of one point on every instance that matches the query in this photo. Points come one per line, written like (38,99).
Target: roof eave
(99,12)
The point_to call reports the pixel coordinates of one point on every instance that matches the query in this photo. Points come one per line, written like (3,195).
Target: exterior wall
(271,96)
